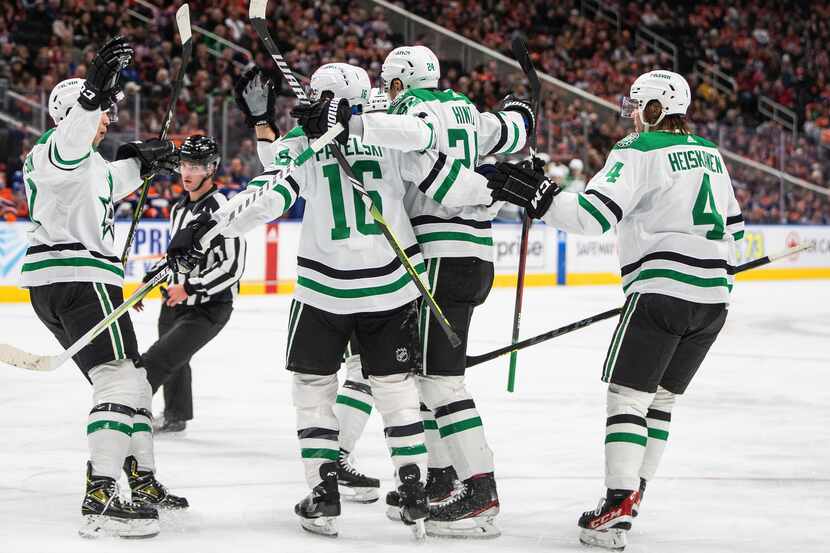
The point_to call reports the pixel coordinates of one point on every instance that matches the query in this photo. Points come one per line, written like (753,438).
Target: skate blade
(612,539)
(323,526)
(358,495)
(477,528)
(419,530)
(98,526)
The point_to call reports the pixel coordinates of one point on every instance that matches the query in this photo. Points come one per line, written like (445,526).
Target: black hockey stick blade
(256,13)
(473,360)
(523,57)
(186,37)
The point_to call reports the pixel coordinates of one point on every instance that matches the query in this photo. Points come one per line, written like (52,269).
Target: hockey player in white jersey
(74,277)
(457,244)
(349,281)
(670,197)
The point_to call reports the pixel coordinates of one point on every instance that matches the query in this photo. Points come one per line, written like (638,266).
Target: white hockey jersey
(449,123)
(344,263)
(71,189)
(671,199)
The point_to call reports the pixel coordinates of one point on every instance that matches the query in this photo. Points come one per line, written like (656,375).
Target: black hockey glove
(256,97)
(155,156)
(101,84)
(514,103)
(186,250)
(523,185)
(317,118)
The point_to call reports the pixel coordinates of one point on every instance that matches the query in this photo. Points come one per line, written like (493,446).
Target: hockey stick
(19,358)
(473,360)
(523,57)
(256,14)
(185,34)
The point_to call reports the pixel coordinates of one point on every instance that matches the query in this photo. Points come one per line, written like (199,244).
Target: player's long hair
(671,123)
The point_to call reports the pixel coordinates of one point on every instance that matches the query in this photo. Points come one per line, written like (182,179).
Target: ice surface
(747,466)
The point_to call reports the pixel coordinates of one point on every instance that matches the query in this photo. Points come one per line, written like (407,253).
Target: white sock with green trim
(396,397)
(459,424)
(354,404)
(110,423)
(141,443)
(439,455)
(658,419)
(317,427)
(625,436)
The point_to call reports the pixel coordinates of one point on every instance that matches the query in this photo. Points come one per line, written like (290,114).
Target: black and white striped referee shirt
(216,279)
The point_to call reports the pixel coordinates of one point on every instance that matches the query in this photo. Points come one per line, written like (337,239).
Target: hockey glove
(522,106)
(101,84)
(186,251)
(256,97)
(523,185)
(317,118)
(155,156)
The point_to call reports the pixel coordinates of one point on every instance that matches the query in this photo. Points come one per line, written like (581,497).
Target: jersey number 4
(341,229)
(705,212)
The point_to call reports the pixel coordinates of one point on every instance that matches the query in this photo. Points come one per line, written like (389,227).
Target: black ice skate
(412,498)
(469,513)
(104,514)
(354,485)
(319,510)
(147,490)
(166,425)
(608,525)
(441,483)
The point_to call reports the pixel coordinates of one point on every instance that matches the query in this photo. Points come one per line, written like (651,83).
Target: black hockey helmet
(200,150)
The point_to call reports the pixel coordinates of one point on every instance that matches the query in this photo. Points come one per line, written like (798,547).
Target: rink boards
(554,257)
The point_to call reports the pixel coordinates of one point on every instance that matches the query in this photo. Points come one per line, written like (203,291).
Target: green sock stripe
(430,425)
(409,450)
(319,453)
(626,437)
(658,434)
(109,425)
(357,404)
(459,426)
(141,427)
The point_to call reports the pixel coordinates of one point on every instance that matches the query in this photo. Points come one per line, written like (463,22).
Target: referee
(197,304)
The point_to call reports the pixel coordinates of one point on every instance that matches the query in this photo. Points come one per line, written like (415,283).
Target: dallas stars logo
(108,222)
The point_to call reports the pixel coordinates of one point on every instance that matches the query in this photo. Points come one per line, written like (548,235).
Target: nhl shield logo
(402,355)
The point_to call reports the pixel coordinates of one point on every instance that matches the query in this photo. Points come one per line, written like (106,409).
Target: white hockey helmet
(63,97)
(415,66)
(343,80)
(667,87)
(576,165)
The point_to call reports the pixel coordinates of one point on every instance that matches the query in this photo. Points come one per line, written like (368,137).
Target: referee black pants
(183,330)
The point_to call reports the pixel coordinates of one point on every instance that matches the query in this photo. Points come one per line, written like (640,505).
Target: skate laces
(344,463)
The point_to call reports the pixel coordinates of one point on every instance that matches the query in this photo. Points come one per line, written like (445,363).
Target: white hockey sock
(396,397)
(141,443)
(439,455)
(459,424)
(317,426)
(625,436)
(110,424)
(658,419)
(354,404)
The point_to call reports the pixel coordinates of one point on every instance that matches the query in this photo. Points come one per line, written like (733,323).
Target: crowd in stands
(45,41)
